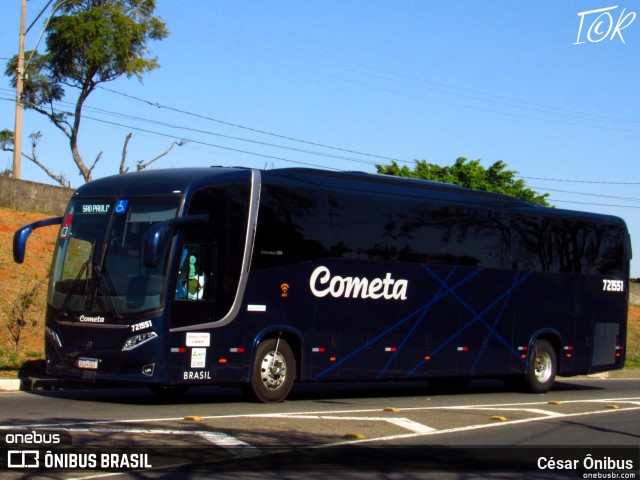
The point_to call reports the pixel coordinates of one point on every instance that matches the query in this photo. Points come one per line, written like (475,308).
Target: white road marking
(539,411)
(522,406)
(478,427)
(411,425)
(405,423)
(240,448)
(216,438)
(416,428)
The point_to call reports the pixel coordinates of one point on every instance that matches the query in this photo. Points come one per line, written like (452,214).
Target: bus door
(208,272)
(193,305)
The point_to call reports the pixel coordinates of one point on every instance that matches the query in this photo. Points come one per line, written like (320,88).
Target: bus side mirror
(21,235)
(158,231)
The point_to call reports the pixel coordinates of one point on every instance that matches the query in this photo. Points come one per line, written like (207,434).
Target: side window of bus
(195,290)
(364,226)
(211,254)
(192,275)
(292,227)
(566,245)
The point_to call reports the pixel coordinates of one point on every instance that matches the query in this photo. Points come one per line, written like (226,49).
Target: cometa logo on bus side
(322,283)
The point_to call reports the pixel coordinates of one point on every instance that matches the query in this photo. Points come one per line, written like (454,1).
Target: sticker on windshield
(121,206)
(64,231)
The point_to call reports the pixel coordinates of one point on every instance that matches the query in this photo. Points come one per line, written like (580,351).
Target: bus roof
(429,190)
(182,180)
(163,182)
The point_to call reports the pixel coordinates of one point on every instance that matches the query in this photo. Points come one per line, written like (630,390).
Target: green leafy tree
(88,42)
(470,174)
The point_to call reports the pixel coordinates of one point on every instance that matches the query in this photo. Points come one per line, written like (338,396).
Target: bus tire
(541,372)
(273,371)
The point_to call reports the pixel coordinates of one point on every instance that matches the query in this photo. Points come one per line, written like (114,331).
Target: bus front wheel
(542,367)
(273,371)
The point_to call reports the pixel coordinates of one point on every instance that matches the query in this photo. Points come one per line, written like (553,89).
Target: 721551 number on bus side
(612,285)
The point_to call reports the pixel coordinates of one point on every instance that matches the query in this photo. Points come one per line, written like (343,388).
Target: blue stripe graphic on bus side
(504,297)
(444,291)
(424,309)
(516,282)
(438,295)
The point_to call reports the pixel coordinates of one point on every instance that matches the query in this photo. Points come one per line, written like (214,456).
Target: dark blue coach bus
(233,276)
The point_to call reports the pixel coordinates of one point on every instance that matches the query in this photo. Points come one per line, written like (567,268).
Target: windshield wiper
(104,285)
(73,290)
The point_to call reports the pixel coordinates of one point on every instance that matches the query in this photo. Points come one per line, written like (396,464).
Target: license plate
(91,363)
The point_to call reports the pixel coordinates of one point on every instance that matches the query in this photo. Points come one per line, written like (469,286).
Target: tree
(470,174)
(19,318)
(88,42)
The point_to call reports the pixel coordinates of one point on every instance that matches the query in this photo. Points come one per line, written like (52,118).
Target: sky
(550,87)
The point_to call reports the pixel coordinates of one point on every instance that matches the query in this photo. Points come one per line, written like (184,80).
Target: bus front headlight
(136,340)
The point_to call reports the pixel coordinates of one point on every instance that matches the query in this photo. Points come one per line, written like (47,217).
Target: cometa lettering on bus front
(86,319)
(322,283)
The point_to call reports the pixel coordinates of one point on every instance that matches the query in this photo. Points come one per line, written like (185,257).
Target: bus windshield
(98,266)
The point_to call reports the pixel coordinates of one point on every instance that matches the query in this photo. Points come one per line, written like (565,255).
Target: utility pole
(17,134)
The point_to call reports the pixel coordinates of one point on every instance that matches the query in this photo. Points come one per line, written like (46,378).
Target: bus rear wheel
(542,367)
(273,371)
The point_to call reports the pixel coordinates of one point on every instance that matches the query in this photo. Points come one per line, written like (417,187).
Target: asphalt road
(363,431)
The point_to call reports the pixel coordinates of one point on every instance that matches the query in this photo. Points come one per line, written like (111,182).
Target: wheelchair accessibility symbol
(121,206)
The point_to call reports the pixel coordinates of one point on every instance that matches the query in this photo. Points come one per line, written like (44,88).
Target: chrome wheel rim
(273,370)
(542,367)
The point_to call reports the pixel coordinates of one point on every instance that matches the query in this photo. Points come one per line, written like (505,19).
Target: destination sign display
(96,208)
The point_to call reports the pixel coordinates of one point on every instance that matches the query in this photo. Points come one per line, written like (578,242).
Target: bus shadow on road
(325,392)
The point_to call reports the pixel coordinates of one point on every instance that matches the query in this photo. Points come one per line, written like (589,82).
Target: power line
(586,194)
(223,122)
(255,130)
(322,145)
(229,137)
(199,142)
(596,204)
(206,132)
(578,181)
(401,78)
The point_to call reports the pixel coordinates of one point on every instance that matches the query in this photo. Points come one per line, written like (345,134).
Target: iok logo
(602,24)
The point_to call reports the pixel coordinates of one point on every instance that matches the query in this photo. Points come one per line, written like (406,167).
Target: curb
(10,384)
(32,383)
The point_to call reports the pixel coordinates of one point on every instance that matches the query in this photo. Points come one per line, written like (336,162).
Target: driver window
(211,255)
(195,286)
(191,275)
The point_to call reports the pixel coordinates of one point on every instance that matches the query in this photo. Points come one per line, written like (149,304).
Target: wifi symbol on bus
(285,289)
